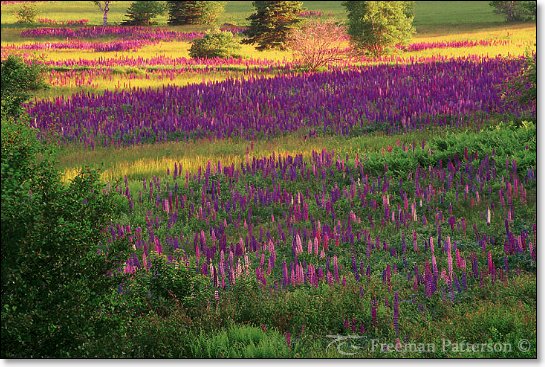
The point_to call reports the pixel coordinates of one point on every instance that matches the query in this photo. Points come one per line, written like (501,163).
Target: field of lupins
(397,236)
(372,98)
(295,249)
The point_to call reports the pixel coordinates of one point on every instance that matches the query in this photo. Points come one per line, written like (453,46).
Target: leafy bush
(165,286)
(523,87)
(19,80)
(215,44)
(27,14)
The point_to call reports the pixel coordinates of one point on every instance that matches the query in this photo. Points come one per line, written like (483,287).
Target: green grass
(141,161)
(443,17)
(430,17)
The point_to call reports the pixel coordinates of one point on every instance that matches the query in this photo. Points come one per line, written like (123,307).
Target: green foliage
(516,11)
(194,12)
(272,23)
(165,286)
(215,44)
(143,12)
(19,80)
(523,87)
(378,26)
(504,140)
(27,13)
(58,272)
(240,342)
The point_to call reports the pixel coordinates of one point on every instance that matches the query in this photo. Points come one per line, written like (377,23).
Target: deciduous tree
(377,27)
(515,11)
(318,43)
(104,7)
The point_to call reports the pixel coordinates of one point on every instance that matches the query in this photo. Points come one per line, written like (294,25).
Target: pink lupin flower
(336,267)
(298,244)
(434,265)
(145,260)
(197,252)
(246,264)
(158,247)
(449,258)
(491,268)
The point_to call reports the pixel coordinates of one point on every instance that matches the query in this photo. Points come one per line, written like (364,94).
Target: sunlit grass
(154,159)
(172,49)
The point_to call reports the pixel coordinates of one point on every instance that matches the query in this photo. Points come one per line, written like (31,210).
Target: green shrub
(166,286)
(215,44)
(523,87)
(19,80)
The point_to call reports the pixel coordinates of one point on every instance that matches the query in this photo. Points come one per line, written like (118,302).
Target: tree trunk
(105,15)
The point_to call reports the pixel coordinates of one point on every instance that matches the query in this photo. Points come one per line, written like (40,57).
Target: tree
(378,26)
(408,8)
(19,81)
(317,43)
(26,14)
(104,7)
(515,11)
(58,269)
(143,12)
(215,44)
(194,12)
(272,23)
